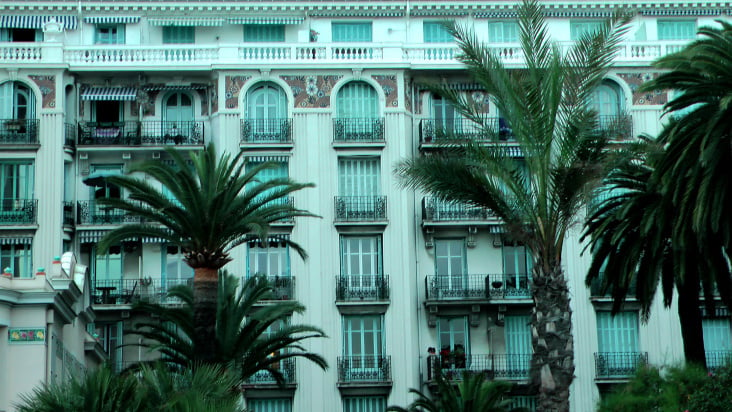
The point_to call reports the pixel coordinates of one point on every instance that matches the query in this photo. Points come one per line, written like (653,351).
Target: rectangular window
(363,336)
(717,341)
(435,32)
(516,268)
(503,32)
(16,182)
(179,34)
(578,29)
(270,405)
(617,344)
(279,170)
(351,32)
(262,33)
(18,258)
(454,343)
(110,337)
(364,404)
(518,343)
(108,266)
(676,29)
(361,256)
(268,259)
(359,176)
(109,34)
(175,270)
(21,35)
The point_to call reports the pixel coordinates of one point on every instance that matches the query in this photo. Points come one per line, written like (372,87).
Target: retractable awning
(188,21)
(90,236)
(263,159)
(109,93)
(36,22)
(112,19)
(266,20)
(16,240)
(155,87)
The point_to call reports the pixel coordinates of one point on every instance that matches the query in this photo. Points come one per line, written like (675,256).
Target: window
(16,182)
(18,258)
(451,267)
(108,267)
(266,113)
(269,259)
(99,187)
(178,117)
(17,101)
(516,269)
(359,177)
(363,340)
(606,100)
(107,111)
(175,270)
(21,35)
(264,33)
(361,266)
(110,337)
(717,341)
(270,405)
(357,100)
(179,34)
(617,343)
(435,32)
(577,29)
(109,34)
(277,170)
(503,32)
(351,32)
(453,340)
(518,344)
(364,404)
(676,29)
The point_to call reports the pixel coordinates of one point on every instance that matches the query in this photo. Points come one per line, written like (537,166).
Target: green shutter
(676,29)
(364,404)
(503,32)
(578,29)
(359,177)
(518,335)
(434,32)
(617,334)
(351,32)
(264,33)
(179,34)
(357,100)
(270,405)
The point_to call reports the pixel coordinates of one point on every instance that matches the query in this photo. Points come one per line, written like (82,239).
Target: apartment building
(334,92)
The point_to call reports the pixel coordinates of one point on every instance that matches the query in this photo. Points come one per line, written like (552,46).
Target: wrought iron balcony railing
(436,130)
(18,211)
(128,291)
(68,213)
(283,287)
(510,286)
(614,365)
(286,367)
(435,210)
(358,130)
(157,133)
(92,213)
(717,359)
(502,366)
(360,208)
(109,133)
(18,131)
(266,131)
(70,131)
(478,286)
(362,288)
(364,369)
(620,125)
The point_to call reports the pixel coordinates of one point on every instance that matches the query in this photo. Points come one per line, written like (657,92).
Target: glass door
(451,268)
(361,265)
(363,347)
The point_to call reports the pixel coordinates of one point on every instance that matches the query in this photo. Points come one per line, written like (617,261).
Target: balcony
(433,131)
(362,288)
(108,134)
(496,366)
(18,131)
(283,287)
(618,365)
(68,213)
(360,209)
(355,131)
(70,131)
(509,286)
(435,211)
(364,370)
(145,133)
(718,359)
(128,291)
(265,378)
(621,125)
(18,211)
(92,213)
(459,288)
(266,132)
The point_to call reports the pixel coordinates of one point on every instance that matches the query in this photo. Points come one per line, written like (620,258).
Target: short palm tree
(473,394)
(207,209)
(247,339)
(538,197)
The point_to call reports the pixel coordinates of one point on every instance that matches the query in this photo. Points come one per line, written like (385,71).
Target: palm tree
(207,210)
(473,394)
(548,106)
(246,339)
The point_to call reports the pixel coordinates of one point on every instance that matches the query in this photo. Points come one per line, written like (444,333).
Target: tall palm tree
(473,394)
(246,339)
(548,106)
(207,210)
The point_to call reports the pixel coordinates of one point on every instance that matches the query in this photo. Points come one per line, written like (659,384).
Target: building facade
(333,92)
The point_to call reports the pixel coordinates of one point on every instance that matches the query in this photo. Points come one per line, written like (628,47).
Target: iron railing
(503,366)
(358,130)
(70,131)
(283,287)
(68,213)
(286,367)
(93,213)
(367,368)
(128,291)
(362,288)
(18,211)
(435,210)
(717,359)
(436,130)
(609,365)
(360,208)
(456,287)
(109,133)
(158,132)
(509,286)
(620,125)
(18,131)
(266,130)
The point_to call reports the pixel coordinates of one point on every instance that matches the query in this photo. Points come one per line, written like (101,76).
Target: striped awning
(454,86)
(16,240)
(266,20)
(194,86)
(273,240)
(109,93)
(495,229)
(262,159)
(36,22)
(112,19)
(188,21)
(90,236)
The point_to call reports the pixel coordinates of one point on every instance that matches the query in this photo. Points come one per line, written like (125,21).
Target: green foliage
(473,394)
(151,389)
(240,341)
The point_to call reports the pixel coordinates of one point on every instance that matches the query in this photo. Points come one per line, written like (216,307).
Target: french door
(450,267)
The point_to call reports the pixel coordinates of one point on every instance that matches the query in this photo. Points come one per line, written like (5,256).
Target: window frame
(115,34)
(19,258)
(662,32)
(179,34)
(339,28)
(434,32)
(264,33)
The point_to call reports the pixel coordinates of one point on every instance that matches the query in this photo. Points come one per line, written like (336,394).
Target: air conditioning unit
(156,155)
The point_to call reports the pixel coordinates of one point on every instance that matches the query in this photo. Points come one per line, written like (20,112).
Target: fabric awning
(91,236)
(112,19)
(36,22)
(262,159)
(188,21)
(155,87)
(266,20)
(109,93)
(16,240)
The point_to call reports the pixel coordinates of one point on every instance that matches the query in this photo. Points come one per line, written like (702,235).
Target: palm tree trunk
(691,320)
(205,289)
(552,364)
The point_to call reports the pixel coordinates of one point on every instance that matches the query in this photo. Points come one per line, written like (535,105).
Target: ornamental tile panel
(311,91)
(233,87)
(408,96)
(215,97)
(388,84)
(47,85)
(22,335)
(635,80)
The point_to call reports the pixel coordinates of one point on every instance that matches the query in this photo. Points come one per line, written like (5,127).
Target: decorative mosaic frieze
(215,97)
(233,86)
(311,91)
(388,84)
(635,80)
(47,85)
(18,335)
(408,96)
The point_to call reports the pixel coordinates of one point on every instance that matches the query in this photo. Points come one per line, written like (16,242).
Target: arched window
(178,125)
(357,113)
(16,101)
(608,102)
(266,114)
